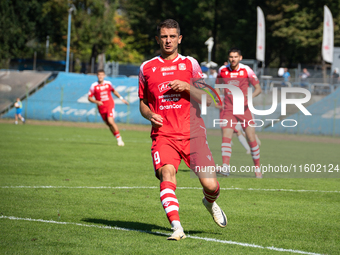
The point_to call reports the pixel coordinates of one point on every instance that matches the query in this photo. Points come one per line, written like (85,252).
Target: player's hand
(219,105)
(125,102)
(99,103)
(179,86)
(156,120)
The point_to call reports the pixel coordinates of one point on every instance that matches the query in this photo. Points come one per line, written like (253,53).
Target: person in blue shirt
(286,77)
(18,110)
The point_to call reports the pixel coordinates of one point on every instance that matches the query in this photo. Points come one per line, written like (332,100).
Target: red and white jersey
(181,118)
(102,92)
(241,78)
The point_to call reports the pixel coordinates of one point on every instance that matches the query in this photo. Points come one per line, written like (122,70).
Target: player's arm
(219,106)
(92,100)
(156,119)
(115,92)
(257,90)
(255,82)
(196,94)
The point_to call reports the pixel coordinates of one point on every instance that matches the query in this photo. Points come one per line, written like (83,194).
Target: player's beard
(234,64)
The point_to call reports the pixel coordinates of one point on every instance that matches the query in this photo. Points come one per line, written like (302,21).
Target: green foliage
(92,26)
(293,28)
(123,47)
(19,20)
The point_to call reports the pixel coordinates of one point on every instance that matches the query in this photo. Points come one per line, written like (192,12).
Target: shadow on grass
(136,226)
(184,170)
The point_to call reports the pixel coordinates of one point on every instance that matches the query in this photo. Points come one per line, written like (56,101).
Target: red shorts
(232,120)
(107,112)
(194,152)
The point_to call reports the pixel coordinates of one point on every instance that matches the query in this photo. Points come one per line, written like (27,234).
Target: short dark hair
(234,49)
(100,71)
(168,23)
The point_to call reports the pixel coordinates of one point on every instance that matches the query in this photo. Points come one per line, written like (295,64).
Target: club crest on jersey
(241,72)
(182,66)
(164,86)
(154,69)
(168,68)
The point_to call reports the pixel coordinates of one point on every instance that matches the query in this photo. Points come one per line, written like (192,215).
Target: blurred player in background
(18,110)
(178,131)
(238,75)
(101,90)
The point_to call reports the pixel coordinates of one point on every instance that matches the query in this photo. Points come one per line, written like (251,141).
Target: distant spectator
(304,77)
(286,78)
(213,74)
(335,76)
(18,110)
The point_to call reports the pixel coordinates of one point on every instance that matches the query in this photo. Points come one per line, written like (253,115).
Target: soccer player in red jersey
(178,131)
(240,75)
(101,90)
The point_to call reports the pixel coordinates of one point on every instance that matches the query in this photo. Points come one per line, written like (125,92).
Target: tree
(18,30)
(123,45)
(92,26)
(295,31)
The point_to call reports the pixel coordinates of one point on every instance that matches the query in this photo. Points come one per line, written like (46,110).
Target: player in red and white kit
(178,131)
(101,90)
(239,75)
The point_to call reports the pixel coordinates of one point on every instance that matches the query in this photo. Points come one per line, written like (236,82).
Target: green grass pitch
(72,180)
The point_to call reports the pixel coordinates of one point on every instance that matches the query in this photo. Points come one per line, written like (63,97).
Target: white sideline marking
(160,233)
(154,187)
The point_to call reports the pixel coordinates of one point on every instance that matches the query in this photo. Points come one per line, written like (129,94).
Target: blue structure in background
(65,98)
(325,119)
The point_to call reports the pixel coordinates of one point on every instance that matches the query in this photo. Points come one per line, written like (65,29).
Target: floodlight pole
(68,39)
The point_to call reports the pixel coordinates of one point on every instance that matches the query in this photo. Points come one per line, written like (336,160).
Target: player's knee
(167,173)
(210,185)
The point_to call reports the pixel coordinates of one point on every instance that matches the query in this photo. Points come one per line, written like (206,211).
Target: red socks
(211,197)
(226,150)
(169,200)
(116,134)
(255,153)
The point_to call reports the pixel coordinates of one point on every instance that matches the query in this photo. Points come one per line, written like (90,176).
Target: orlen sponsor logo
(234,82)
(103,87)
(168,68)
(164,86)
(171,106)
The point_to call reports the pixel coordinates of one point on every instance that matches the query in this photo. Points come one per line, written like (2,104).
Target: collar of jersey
(238,69)
(172,60)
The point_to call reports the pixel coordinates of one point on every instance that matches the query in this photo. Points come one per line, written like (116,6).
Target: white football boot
(216,212)
(177,235)
(120,143)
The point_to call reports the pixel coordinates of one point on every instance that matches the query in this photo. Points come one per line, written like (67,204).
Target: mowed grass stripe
(155,187)
(160,233)
(93,181)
